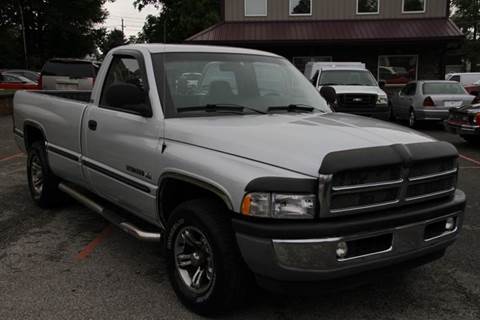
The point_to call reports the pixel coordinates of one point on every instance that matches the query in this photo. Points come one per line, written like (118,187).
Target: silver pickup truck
(242,172)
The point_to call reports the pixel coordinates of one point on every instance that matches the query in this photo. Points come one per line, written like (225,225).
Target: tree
(53,28)
(466,14)
(112,39)
(178,20)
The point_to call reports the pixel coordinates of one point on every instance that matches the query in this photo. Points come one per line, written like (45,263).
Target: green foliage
(114,38)
(181,19)
(467,16)
(53,28)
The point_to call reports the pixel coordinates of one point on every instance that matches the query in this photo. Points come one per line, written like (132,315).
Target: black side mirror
(124,95)
(329,94)
(382,84)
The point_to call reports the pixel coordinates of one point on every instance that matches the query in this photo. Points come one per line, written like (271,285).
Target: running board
(110,215)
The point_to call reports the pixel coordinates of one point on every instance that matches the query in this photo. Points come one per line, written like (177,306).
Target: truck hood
(296,142)
(359,90)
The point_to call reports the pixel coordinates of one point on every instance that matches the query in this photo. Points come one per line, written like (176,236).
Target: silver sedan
(428,100)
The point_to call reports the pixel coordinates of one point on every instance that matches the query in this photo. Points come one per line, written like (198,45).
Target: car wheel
(203,262)
(412,119)
(43,184)
(471,139)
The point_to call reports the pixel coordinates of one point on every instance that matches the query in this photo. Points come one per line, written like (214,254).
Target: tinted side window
(69,69)
(8,78)
(124,71)
(411,89)
(455,78)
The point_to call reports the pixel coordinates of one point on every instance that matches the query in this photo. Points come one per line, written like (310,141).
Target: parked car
(429,100)
(473,89)
(465,78)
(261,181)
(10,81)
(357,90)
(465,122)
(68,74)
(31,75)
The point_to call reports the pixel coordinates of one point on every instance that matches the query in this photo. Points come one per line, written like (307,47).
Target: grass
(6,92)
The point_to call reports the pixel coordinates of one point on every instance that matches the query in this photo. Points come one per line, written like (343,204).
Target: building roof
(330,31)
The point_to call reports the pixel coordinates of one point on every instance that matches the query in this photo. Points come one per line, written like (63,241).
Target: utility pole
(24,36)
(123,27)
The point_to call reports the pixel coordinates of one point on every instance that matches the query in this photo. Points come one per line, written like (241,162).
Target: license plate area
(453,104)
(365,247)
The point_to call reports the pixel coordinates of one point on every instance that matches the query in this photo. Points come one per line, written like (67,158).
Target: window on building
(301,62)
(410,6)
(300,7)
(368,6)
(397,69)
(255,8)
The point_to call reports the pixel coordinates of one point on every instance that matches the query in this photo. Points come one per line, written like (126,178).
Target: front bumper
(381,112)
(299,252)
(462,129)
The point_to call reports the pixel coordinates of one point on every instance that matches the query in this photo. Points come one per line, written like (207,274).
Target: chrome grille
(370,189)
(356,100)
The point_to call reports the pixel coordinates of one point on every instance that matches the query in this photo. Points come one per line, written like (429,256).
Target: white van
(358,91)
(465,78)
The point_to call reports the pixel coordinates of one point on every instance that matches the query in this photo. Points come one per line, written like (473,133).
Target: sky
(133,19)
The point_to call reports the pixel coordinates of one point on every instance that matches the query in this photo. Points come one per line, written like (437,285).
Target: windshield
(347,78)
(443,88)
(254,82)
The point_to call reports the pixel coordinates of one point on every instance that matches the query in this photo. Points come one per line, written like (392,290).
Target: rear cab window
(72,69)
(443,88)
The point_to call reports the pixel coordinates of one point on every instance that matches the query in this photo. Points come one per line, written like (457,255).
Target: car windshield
(205,84)
(443,88)
(347,78)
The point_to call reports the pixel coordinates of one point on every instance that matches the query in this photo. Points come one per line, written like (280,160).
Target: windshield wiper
(221,107)
(292,108)
(329,84)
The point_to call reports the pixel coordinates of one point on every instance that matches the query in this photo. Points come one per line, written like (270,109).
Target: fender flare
(194,181)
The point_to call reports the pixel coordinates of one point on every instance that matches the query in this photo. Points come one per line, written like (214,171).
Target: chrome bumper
(320,254)
(303,260)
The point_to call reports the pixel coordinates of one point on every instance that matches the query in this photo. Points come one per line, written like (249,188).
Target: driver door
(121,143)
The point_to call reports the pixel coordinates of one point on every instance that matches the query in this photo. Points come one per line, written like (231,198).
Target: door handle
(92,125)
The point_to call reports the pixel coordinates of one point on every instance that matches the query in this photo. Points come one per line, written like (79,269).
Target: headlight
(382,100)
(279,206)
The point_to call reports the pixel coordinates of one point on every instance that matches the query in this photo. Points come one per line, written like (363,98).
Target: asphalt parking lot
(70,264)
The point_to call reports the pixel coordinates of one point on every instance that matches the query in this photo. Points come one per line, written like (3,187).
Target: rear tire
(203,261)
(43,184)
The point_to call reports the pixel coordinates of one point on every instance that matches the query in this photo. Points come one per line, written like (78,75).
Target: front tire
(471,139)
(203,261)
(43,184)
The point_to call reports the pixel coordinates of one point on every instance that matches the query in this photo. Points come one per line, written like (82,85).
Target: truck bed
(77,95)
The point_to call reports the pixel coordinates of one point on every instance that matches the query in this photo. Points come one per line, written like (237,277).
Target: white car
(429,100)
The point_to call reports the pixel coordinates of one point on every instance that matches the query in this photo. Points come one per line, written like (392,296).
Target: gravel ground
(42,275)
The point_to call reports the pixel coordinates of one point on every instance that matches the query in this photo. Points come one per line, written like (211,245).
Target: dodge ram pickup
(242,173)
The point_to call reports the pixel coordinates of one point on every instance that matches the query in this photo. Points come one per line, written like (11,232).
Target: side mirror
(382,84)
(124,95)
(329,94)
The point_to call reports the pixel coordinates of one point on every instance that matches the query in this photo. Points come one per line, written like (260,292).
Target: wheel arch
(190,188)
(32,132)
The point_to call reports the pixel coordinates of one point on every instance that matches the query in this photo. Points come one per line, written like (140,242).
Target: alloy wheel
(36,175)
(194,259)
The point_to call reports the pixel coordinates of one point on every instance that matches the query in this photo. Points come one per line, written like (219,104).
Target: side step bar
(110,215)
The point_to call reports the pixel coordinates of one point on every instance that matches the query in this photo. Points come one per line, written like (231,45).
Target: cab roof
(161,48)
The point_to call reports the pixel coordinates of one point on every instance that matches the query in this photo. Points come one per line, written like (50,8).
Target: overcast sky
(133,19)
